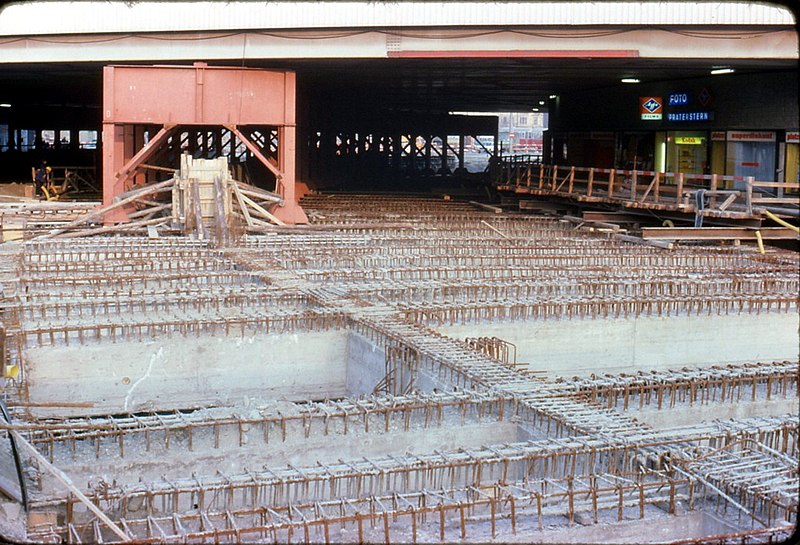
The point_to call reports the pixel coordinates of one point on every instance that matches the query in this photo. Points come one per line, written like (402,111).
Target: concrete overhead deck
(403,369)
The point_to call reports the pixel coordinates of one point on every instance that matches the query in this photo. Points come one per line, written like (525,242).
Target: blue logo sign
(651,105)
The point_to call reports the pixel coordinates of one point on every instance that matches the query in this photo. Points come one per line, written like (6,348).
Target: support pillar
(290,212)
(113,160)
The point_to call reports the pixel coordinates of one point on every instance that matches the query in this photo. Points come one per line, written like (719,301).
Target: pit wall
(178,372)
(581,347)
(686,415)
(366,368)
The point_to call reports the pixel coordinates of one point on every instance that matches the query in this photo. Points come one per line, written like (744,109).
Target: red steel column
(113,160)
(290,212)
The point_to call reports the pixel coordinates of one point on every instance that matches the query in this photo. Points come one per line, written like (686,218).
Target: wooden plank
(612,217)
(66,481)
(636,240)
(542,205)
(242,205)
(716,233)
(125,198)
(259,210)
(490,208)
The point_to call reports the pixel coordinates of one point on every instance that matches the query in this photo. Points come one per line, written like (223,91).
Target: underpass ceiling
(427,85)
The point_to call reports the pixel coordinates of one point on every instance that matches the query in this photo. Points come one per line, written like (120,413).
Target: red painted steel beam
(174,96)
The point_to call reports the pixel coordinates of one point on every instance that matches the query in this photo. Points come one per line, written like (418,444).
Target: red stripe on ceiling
(527,53)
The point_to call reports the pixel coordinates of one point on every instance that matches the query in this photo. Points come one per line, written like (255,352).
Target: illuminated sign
(651,107)
(751,136)
(706,99)
(690,116)
(679,99)
(690,140)
(793,137)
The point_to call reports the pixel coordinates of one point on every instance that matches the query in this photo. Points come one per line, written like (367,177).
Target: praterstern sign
(690,116)
(651,108)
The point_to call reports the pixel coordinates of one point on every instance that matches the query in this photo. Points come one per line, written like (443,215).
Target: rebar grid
(386,269)
(380,414)
(498,504)
(667,389)
(349,480)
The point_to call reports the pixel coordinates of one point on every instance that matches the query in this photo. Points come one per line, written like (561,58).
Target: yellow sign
(690,140)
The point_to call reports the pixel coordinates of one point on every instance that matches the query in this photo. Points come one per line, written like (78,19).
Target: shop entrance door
(756,159)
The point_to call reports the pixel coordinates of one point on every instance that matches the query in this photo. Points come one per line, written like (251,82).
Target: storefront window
(792,172)
(687,152)
(751,153)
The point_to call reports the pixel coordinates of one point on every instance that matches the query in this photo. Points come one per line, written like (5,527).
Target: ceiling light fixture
(723,70)
(553,96)
(541,103)
(5,105)
(535,109)
(630,80)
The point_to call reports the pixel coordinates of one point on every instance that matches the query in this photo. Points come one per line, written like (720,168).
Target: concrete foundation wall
(685,415)
(255,450)
(186,372)
(366,365)
(581,347)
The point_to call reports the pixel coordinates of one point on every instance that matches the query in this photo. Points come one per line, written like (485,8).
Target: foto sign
(679,99)
(651,108)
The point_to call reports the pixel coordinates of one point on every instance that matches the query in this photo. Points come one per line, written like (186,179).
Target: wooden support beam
(123,200)
(611,217)
(490,208)
(66,481)
(716,233)
(636,240)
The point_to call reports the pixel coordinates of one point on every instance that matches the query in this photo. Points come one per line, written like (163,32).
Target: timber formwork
(711,197)
(389,271)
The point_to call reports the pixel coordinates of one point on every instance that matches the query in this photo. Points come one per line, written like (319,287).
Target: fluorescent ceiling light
(474,113)
(725,70)
(5,105)
(630,80)
(553,96)
(541,103)
(535,109)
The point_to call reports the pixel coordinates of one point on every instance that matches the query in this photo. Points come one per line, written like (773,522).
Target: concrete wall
(366,365)
(260,450)
(581,347)
(186,372)
(685,415)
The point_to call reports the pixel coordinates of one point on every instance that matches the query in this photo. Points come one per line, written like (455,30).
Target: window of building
(87,139)
(26,139)
(48,138)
